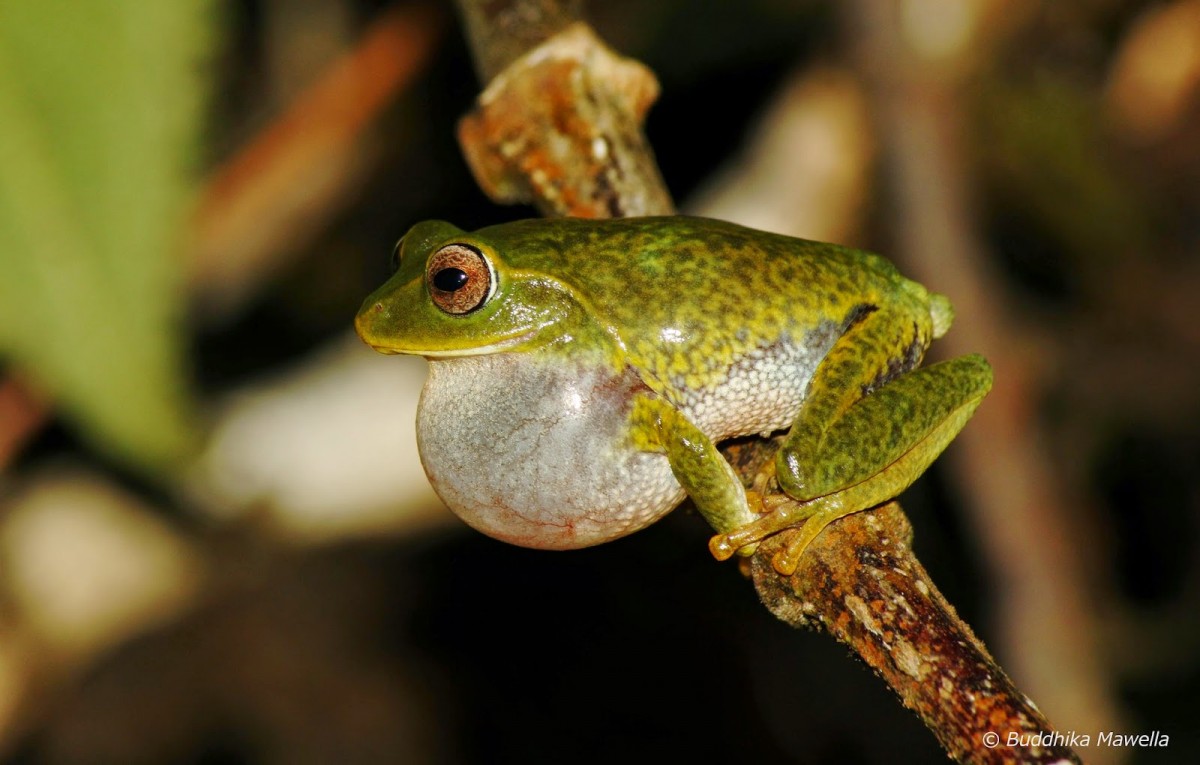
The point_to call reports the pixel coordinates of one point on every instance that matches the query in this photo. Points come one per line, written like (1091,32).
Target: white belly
(535,451)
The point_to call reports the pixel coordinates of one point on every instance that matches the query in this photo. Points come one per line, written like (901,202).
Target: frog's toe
(787,560)
(743,541)
(777,513)
(721,547)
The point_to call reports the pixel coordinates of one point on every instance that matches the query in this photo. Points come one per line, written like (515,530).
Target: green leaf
(100,114)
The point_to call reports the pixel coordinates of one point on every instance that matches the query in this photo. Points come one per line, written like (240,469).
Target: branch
(501,31)
(533,137)
(866,588)
(560,126)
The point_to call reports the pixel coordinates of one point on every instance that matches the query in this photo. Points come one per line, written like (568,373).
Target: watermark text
(1046,739)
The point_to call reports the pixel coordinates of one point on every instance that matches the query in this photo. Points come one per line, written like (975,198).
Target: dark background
(435,644)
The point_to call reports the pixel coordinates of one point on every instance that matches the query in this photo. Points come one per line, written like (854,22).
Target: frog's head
(453,294)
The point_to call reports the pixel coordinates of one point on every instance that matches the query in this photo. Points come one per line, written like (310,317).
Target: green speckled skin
(643,276)
(698,307)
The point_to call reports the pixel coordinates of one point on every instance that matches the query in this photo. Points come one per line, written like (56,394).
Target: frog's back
(708,309)
(705,278)
(654,270)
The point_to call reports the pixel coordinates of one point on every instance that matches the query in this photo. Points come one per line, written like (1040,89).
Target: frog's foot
(778,513)
(760,504)
(788,559)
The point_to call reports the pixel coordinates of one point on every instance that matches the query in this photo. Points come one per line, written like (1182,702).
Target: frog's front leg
(702,471)
(869,426)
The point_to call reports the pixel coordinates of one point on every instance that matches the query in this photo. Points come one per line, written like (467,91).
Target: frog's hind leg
(869,426)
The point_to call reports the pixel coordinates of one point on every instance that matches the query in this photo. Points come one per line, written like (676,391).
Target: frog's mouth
(503,344)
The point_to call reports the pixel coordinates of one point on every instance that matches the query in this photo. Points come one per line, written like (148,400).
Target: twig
(560,126)
(871,593)
(501,31)
(860,580)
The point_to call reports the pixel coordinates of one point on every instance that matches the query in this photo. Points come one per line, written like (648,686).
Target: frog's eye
(459,278)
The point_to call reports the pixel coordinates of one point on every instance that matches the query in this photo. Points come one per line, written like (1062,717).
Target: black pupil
(450,279)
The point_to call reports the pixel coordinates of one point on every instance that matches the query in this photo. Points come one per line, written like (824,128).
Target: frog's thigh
(913,416)
(913,419)
(704,474)
(879,447)
(884,343)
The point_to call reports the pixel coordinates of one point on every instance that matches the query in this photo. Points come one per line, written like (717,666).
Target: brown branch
(861,582)
(501,31)
(866,588)
(532,137)
(560,126)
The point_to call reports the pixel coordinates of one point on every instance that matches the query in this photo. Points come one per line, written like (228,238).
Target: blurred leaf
(99,118)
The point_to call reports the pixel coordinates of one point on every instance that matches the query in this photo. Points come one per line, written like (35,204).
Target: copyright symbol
(990,739)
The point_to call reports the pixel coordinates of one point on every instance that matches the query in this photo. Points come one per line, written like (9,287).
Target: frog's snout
(365,323)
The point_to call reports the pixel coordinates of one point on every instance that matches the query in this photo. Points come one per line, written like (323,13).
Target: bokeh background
(216,542)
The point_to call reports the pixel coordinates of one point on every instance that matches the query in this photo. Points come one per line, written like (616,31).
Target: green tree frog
(581,373)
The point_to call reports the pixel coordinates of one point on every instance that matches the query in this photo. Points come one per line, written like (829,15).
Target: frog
(583,372)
